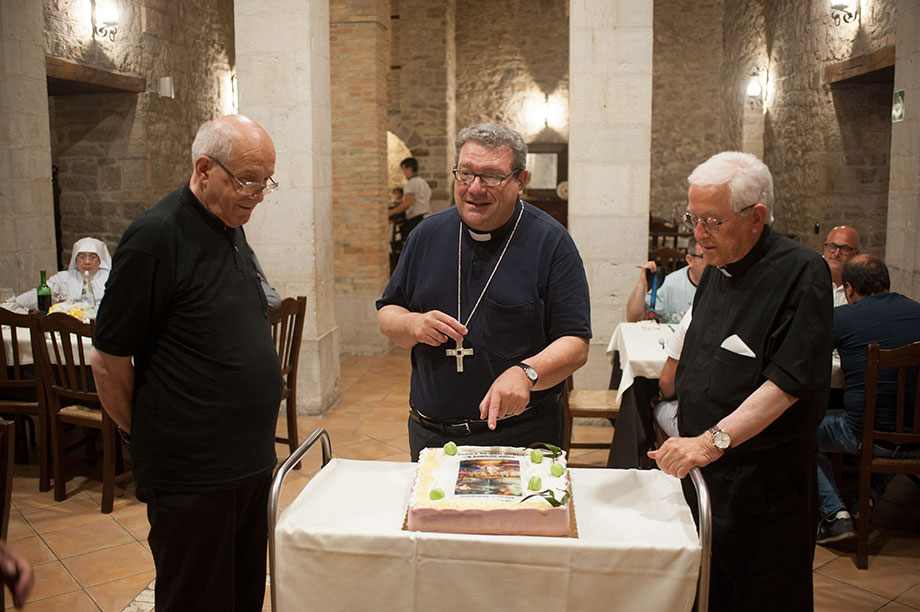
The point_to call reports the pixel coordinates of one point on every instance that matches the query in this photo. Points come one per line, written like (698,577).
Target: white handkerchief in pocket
(736,345)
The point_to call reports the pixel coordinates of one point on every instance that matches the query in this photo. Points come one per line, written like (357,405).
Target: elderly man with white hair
(88,255)
(753,377)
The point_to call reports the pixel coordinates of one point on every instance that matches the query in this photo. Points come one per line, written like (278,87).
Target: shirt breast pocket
(508,329)
(733,377)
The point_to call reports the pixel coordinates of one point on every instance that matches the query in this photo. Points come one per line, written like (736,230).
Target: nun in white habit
(90,255)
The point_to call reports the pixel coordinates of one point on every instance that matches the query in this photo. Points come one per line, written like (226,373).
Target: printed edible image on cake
(487,477)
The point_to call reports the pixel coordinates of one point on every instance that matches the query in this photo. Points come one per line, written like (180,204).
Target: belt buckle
(468,430)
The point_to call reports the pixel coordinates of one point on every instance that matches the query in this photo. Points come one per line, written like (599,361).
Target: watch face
(721,439)
(530,372)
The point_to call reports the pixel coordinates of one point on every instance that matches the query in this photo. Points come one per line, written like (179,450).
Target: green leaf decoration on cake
(554,450)
(436,494)
(450,448)
(549,496)
(535,483)
(536,456)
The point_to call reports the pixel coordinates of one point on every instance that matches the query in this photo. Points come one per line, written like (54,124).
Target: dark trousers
(764,513)
(545,427)
(209,548)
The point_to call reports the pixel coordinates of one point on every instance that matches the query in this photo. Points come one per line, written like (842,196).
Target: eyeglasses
(249,188)
(489,180)
(694,255)
(710,224)
(830,247)
(87,257)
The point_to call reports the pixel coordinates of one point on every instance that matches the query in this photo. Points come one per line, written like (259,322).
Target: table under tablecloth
(340,546)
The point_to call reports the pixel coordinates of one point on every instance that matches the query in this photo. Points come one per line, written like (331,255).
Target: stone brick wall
(688,120)
(510,56)
(359,51)
(26,211)
(118,154)
(422,111)
(827,147)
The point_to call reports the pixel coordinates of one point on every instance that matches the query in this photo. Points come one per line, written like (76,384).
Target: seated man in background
(842,243)
(665,405)
(88,255)
(675,295)
(874,314)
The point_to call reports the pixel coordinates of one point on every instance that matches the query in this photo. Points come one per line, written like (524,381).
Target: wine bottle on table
(87,293)
(44,294)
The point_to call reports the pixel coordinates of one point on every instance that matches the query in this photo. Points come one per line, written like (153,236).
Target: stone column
(609,159)
(359,37)
(26,202)
(902,249)
(282,64)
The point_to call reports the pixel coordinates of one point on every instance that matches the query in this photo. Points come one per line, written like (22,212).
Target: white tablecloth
(340,546)
(641,348)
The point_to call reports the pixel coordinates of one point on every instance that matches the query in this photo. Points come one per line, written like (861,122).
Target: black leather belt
(465,428)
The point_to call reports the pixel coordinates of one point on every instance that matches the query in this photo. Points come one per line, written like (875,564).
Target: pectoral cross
(459,353)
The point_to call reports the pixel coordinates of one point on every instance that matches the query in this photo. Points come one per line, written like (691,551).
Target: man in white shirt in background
(416,196)
(842,243)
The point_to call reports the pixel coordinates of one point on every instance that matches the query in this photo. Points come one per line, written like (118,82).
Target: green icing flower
(536,456)
(436,494)
(535,483)
(450,449)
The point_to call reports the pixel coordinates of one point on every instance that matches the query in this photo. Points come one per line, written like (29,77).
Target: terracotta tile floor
(85,560)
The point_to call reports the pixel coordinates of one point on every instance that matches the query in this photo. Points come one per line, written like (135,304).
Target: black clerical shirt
(778,302)
(538,294)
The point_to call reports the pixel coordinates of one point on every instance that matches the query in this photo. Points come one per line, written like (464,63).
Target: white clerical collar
(479,236)
(725,272)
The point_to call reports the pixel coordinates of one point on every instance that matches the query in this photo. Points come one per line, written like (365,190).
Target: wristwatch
(530,372)
(720,438)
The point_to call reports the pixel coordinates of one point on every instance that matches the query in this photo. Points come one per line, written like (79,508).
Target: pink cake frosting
(483,492)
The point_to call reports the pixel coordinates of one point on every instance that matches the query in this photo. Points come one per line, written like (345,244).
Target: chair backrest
(906,361)
(287,332)
(668,258)
(13,374)
(63,359)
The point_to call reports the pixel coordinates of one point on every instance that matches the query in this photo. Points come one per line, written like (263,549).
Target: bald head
(865,275)
(842,243)
(230,155)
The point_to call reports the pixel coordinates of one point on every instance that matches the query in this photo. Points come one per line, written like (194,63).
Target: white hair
(749,180)
(214,139)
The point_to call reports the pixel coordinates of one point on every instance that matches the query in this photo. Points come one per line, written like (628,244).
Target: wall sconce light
(105,20)
(756,90)
(845,10)
(165,87)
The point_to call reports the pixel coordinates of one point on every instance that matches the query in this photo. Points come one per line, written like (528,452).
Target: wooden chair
(907,362)
(668,258)
(7,443)
(21,395)
(72,398)
(586,403)
(287,332)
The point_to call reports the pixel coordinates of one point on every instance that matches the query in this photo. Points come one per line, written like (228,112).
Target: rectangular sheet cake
(482,490)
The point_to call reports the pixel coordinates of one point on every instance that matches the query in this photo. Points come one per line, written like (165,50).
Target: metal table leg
(705,517)
(273,500)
